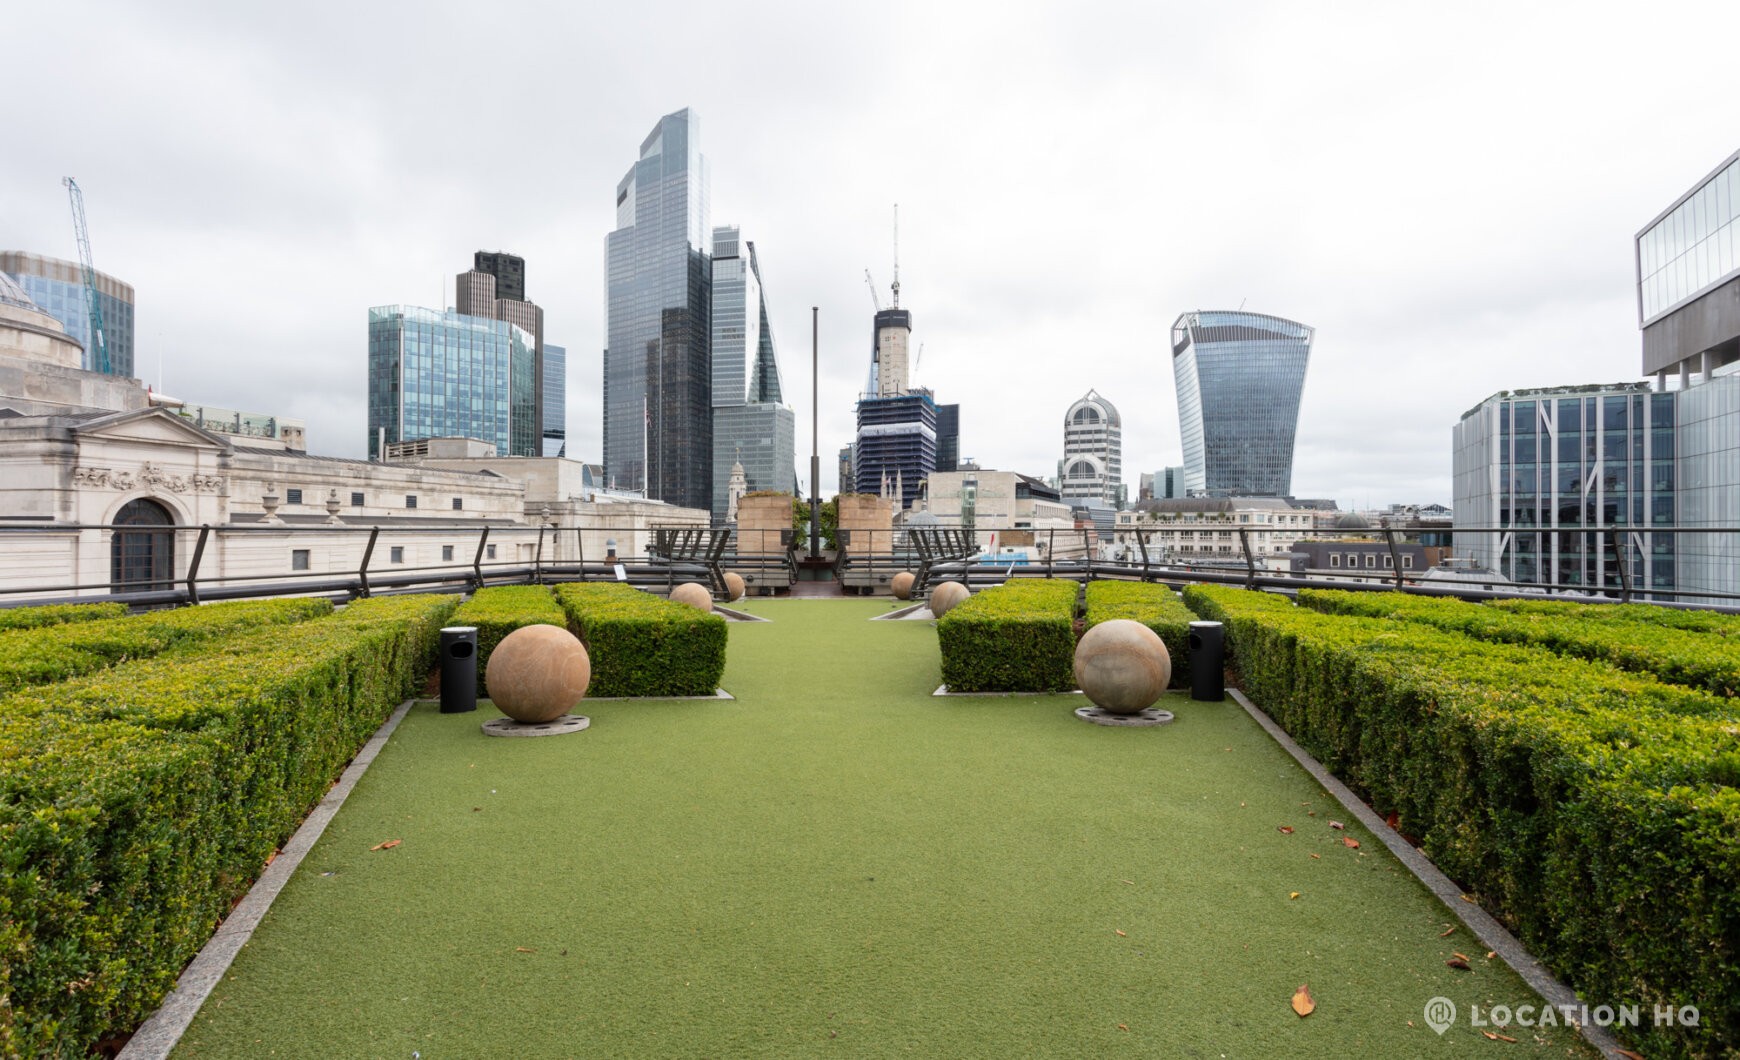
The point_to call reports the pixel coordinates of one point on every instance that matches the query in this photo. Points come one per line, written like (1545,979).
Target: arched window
(142,551)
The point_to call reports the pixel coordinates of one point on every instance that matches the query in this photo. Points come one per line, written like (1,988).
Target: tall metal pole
(815,436)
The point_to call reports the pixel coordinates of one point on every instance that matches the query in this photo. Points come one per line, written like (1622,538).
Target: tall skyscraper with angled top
(753,428)
(658,425)
(1239,378)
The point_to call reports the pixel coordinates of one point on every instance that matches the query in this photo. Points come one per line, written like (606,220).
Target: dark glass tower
(1239,378)
(658,428)
(554,400)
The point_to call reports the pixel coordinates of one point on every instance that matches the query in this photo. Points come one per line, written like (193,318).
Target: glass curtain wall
(1239,379)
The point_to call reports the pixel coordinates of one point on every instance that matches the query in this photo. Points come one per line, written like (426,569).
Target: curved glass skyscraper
(1239,377)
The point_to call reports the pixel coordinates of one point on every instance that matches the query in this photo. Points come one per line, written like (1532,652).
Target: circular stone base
(1150,716)
(560,727)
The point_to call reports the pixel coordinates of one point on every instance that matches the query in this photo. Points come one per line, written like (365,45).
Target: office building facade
(948,437)
(1688,281)
(896,447)
(553,401)
(1239,379)
(480,292)
(58,289)
(658,434)
(446,374)
(752,426)
(1556,472)
(1092,467)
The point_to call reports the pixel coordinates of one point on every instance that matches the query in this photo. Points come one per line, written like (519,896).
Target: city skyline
(1400,190)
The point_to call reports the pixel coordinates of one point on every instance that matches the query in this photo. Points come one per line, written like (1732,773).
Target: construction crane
(99,343)
(875,301)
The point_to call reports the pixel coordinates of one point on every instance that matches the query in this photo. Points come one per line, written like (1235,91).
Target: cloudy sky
(1446,192)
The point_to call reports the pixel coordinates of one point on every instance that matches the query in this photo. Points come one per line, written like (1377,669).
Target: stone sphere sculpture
(1122,666)
(944,597)
(734,587)
(694,594)
(537,674)
(902,585)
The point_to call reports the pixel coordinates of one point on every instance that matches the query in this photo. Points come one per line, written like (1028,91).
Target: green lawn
(837,861)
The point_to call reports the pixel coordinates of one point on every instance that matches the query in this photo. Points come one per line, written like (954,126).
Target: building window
(458,504)
(410,500)
(298,559)
(1407,562)
(398,554)
(1388,563)
(1371,560)
(447,553)
(1335,559)
(292,496)
(490,553)
(356,500)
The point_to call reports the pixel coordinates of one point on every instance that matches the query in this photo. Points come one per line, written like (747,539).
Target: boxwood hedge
(1014,637)
(641,644)
(1156,607)
(1591,809)
(1632,641)
(137,803)
(34,656)
(500,610)
(57,614)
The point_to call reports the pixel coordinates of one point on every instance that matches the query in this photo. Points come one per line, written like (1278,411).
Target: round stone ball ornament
(537,674)
(694,594)
(945,597)
(1123,668)
(902,585)
(734,587)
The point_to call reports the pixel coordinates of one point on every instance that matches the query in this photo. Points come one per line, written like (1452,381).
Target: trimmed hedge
(54,653)
(136,804)
(1014,637)
(500,610)
(644,645)
(1156,607)
(1682,656)
(1591,809)
(1725,625)
(57,614)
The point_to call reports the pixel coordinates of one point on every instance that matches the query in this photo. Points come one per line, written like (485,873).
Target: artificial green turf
(838,861)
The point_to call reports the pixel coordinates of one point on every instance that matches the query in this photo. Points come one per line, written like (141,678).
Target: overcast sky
(1446,192)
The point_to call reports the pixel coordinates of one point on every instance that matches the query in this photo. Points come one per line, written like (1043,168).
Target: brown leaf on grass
(1499,1037)
(1120,933)
(1285,829)
(1303,1003)
(388,845)
(1132,883)
(1458,962)
(522,949)
(1319,857)
(1461,956)
(1292,895)
(1628,1054)
(1123,1026)
(1490,954)
(1350,842)
(1336,824)
(1447,931)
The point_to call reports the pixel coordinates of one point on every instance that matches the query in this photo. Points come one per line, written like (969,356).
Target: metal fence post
(1250,562)
(193,564)
(368,554)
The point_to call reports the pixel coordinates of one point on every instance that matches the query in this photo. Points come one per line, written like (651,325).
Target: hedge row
(1591,809)
(500,610)
(1672,617)
(641,644)
(1156,607)
(136,804)
(1014,637)
(1683,656)
(54,653)
(57,614)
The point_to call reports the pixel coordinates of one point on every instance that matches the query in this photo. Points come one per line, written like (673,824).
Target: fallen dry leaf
(388,845)
(1447,931)
(1303,1003)
(1393,820)
(1499,1037)
(1292,894)
(1490,954)
(522,949)
(1458,962)
(1463,956)
(1132,883)
(1319,857)
(1285,829)
(1123,1026)
(1467,899)
(1350,842)
(1336,824)
(1120,933)
(1629,1054)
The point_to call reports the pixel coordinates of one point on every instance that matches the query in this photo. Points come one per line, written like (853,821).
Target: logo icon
(1440,1014)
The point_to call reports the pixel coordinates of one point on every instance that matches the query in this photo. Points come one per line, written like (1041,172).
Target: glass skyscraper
(555,400)
(658,425)
(58,289)
(1239,378)
(449,375)
(751,425)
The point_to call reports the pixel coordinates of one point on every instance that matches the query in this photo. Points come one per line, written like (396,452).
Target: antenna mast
(896,255)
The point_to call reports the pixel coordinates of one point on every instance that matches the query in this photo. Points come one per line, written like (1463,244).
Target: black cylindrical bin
(458,669)
(1207,661)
